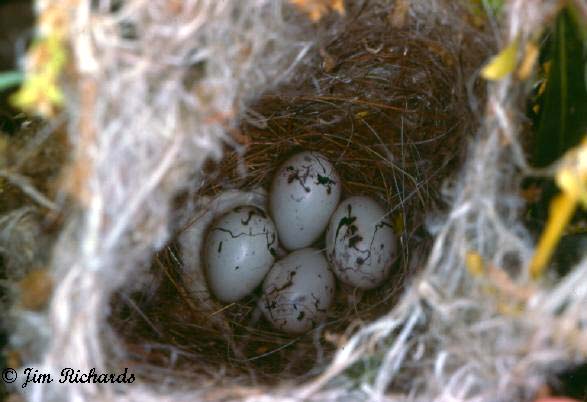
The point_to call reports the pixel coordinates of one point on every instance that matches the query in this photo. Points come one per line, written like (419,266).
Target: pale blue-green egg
(298,291)
(239,251)
(305,191)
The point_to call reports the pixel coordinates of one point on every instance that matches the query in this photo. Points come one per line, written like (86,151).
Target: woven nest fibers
(391,108)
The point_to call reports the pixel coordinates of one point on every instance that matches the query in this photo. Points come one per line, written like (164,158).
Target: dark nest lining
(390,107)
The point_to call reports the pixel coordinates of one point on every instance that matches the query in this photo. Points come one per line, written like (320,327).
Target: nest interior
(391,103)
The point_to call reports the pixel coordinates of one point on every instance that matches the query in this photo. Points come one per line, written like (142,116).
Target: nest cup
(391,104)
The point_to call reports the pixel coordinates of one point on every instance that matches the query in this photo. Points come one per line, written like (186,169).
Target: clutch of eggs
(297,291)
(304,193)
(360,243)
(304,201)
(239,251)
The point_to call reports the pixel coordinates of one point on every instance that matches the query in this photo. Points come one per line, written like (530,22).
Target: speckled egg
(239,251)
(298,291)
(360,243)
(305,191)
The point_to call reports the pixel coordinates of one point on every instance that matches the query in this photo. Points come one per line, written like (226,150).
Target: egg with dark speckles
(297,291)
(239,251)
(305,192)
(360,243)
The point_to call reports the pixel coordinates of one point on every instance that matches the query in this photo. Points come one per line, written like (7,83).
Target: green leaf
(578,12)
(10,79)
(562,116)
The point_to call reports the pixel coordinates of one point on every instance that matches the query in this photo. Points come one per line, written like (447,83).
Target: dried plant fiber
(148,108)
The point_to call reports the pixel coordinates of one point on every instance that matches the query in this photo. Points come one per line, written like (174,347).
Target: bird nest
(179,111)
(391,104)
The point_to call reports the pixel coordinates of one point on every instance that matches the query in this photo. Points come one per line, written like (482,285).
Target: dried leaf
(35,289)
(399,14)
(531,54)
(316,9)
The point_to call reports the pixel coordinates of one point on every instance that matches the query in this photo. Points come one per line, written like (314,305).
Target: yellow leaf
(39,94)
(40,91)
(475,264)
(571,176)
(568,181)
(57,55)
(561,210)
(55,96)
(501,64)
(21,98)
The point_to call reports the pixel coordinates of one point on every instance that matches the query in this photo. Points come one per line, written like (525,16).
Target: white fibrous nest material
(159,87)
